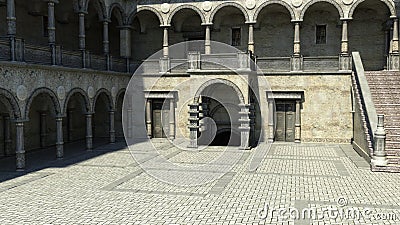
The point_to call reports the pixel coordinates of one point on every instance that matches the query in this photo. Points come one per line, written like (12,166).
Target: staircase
(385,91)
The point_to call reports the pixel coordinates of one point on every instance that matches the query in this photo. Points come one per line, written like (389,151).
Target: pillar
(297,132)
(43,128)
(379,155)
(11,27)
(244,126)
(89,131)
(106,44)
(394,58)
(165,42)
(52,30)
(207,42)
(20,149)
(193,124)
(112,126)
(60,139)
(395,42)
(172,118)
(82,37)
(7,135)
(148,119)
(345,60)
(70,124)
(271,114)
(251,38)
(296,60)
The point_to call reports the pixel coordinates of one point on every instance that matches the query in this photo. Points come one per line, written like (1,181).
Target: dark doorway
(160,118)
(226,138)
(285,121)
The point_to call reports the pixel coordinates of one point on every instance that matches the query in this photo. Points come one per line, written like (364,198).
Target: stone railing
(368,133)
(229,61)
(273,64)
(321,63)
(42,55)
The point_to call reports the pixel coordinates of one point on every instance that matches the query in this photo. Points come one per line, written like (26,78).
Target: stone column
(11,27)
(7,135)
(297,132)
(52,30)
(82,37)
(106,44)
(207,42)
(296,60)
(244,126)
(43,128)
(345,60)
(252,124)
(112,126)
(394,58)
(251,38)
(172,118)
(60,138)
(193,124)
(271,114)
(70,124)
(379,156)
(148,119)
(165,42)
(89,131)
(20,149)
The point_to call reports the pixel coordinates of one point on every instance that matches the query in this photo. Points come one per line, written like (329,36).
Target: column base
(296,63)
(345,62)
(20,161)
(379,161)
(393,62)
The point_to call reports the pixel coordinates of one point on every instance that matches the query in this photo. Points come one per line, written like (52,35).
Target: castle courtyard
(107,186)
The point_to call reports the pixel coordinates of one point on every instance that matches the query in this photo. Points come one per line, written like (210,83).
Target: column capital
(346,19)
(206,24)
(251,22)
(106,20)
(296,21)
(52,1)
(165,26)
(125,27)
(394,17)
(84,12)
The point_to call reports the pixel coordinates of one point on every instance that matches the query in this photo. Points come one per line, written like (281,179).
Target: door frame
(298,98)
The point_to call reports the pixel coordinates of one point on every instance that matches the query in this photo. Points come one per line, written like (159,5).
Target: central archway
(220,101)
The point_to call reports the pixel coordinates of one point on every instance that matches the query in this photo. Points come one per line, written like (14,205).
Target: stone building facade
(65,66)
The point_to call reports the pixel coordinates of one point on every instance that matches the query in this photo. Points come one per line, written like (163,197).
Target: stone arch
(84,96)
(120,10)
(219,81)
(186,6)
(233,4)
(144,8)
(11,100)
(216,108)
(99,6)
(50,93)
(312,2)
(108,95)
(118,95)
(388,3)
(282,3)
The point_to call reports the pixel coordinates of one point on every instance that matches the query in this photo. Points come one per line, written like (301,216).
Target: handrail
(365,92)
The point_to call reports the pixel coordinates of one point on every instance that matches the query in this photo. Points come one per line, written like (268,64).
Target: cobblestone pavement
(106,186)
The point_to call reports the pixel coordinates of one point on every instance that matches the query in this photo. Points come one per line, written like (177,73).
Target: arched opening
(229,27)
(186,26)
(226,138)
(321,30)
(220,102)
(371,41)
(7,129)
(273,32)
(3,21)
(94,28)
(41,130)
(119,133)
(114,32)
(32,21)
(67,25)
(147,36)
(101,118)
(76,123)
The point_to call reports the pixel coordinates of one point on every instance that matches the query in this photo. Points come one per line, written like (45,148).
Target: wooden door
(285,121)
